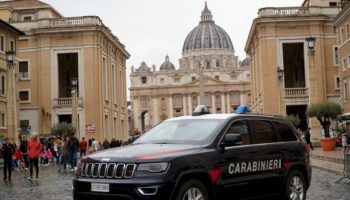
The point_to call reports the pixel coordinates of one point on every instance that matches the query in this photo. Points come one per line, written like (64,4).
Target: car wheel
(192,190)
(295,188)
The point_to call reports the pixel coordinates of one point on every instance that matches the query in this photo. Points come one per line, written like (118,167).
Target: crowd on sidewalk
(62,152)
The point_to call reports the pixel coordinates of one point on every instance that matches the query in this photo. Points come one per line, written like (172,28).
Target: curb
(336,172)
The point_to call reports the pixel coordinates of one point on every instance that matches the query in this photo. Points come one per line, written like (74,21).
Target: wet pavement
(58,186)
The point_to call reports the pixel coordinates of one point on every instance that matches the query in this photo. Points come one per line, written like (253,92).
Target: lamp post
(280,73)
(11,96)
(75,105)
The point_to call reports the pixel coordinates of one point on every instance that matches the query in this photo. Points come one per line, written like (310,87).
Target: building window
(24,96)
(23,70)
(144,102)
(161,80)
(144,79)
(332,4)
(347,31)
(178,101)
(235,99)
(3,120)
(348,63)
(207,99)
(176,80)
(162,102)
(217,99)
(336,55)
(3,85)
(337,82)
(208,64)
(342,35)
(114,76)
(194,102)
(217,77)
(105,78)
(217,63)
(115,127)
(346,96)
(106,131)
(121,83)
(27,18)
(12,45)
(193,78)
(2,45)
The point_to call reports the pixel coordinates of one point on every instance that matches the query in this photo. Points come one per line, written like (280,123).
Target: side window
(263,132)
(284,133)
(240,127)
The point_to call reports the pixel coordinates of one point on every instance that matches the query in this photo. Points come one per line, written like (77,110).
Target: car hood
(143,153)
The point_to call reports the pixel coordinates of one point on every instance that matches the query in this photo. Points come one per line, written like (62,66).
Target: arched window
(178,101)
(207,99)
(144,102)
(235,99)
(194,101)
(217,99)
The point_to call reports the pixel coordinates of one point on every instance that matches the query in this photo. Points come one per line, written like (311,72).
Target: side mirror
(231,140)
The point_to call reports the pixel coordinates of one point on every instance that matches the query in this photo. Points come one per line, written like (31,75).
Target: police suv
(202,157)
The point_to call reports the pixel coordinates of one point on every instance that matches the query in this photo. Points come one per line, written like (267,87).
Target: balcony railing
(298,11)
(296,92)
(66,102)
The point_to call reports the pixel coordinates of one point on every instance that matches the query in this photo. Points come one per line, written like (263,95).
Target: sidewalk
(331,161)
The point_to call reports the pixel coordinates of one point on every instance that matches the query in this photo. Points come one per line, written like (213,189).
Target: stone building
(208,64)
(56,50)
(9,121)
(342,24)
(287,76)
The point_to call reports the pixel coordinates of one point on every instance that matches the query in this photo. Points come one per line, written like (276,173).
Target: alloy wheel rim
(296,188)
(193,194)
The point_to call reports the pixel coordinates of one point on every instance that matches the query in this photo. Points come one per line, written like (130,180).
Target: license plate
(99,187)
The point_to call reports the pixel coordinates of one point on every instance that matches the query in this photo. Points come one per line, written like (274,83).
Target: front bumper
(123,189)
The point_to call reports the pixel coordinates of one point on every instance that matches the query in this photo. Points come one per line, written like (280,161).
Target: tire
(192,190)
(295,186)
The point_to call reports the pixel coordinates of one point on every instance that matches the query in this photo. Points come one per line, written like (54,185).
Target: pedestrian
(24,151)
(105,144)
(307,135)
(83,146)
(73,147)
(34,149)
(63,154)
(17,159)
(114,143)
(95,145)
(42,157)
(7,151)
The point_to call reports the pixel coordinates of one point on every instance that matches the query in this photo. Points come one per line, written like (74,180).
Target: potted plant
(324,112)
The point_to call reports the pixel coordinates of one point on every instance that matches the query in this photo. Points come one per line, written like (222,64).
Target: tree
(293,119)
(324,112)
(63,129)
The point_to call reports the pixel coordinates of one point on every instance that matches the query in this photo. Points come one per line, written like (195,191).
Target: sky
(152,29)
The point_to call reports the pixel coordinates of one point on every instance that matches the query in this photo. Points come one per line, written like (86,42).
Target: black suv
(212,156)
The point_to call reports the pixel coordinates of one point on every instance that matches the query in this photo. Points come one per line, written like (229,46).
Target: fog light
(148,191)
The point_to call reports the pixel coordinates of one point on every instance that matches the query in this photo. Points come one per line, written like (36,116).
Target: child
(48,156)
(18,158)
(42,157)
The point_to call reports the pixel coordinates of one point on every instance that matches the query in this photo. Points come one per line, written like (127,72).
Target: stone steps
(333,167)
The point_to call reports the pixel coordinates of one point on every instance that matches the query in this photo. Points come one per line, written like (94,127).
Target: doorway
(299,111)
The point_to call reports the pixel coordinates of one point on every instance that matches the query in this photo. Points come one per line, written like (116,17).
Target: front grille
(108,170)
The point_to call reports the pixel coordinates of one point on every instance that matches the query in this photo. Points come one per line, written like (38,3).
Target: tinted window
(240,127)
(284,132)
(263,132)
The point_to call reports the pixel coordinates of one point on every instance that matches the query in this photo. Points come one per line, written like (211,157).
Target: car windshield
(189,131)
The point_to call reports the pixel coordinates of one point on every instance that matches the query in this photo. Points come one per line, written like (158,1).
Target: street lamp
(311,44)
(75,104)
(11,96)
(280,73)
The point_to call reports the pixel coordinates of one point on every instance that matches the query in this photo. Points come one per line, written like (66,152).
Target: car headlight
(153,167)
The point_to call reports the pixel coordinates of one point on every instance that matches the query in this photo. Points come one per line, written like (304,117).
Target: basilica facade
(209,73)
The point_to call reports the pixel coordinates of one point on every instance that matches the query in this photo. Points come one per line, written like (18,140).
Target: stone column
(213,107)
(136,114)
(155,117)
(228,103)
(223,103)
(242,99)
(171,110)
(189,104)
(184,104)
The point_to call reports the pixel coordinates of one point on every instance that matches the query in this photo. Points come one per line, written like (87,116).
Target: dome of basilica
(207,35)
(167,65)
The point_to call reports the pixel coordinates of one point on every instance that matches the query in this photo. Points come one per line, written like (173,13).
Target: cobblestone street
(54,185)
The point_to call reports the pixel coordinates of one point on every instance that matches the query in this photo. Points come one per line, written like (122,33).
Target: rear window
(263,132)
(284,133)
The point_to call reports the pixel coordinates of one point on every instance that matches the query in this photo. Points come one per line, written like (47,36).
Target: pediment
(207,81)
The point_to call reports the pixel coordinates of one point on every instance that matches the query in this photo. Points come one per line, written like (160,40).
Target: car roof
(223,116)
